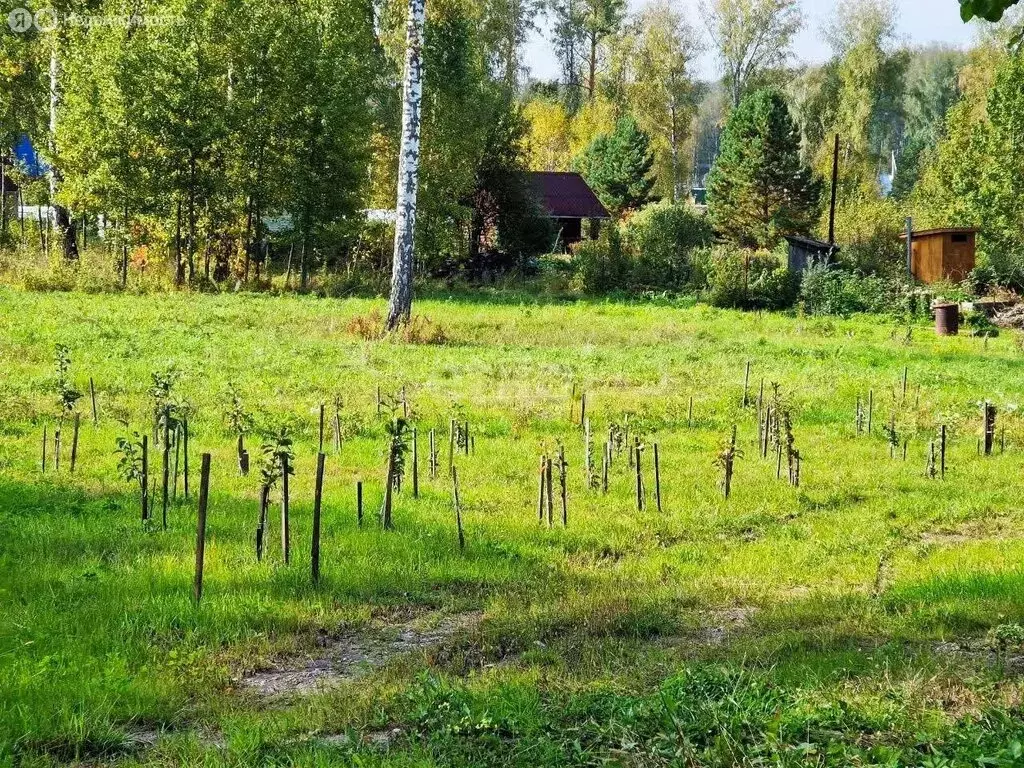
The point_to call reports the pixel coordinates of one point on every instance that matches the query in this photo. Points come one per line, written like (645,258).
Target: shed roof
(810,244)
(941,231)
(567,196)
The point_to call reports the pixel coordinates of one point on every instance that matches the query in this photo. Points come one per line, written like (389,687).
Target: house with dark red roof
(568,201)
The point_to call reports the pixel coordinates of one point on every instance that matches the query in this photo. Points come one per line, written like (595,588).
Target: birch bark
(400,305)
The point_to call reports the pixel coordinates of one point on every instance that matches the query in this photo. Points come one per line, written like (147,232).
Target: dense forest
(215,135)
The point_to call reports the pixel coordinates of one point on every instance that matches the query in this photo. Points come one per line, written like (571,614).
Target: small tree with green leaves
(67,395)
(759,189)
(130,466)
(277,451)
(240,422)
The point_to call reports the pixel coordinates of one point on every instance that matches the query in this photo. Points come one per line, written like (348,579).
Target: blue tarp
(25,155)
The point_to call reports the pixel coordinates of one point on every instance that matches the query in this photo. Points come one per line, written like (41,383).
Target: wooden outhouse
(942,254)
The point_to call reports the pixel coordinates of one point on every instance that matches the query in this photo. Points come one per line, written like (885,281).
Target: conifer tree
(759,189)
(618,166)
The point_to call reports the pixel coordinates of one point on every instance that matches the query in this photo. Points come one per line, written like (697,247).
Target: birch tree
(400,304)
(752,37)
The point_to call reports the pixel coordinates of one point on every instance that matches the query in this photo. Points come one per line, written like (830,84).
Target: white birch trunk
(400,306)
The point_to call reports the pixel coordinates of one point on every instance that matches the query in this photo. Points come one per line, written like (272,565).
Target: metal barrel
(947,319)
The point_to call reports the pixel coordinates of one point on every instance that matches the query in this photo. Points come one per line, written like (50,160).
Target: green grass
(593,644)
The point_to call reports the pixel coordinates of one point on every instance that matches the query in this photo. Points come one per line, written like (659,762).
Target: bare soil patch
(356,655)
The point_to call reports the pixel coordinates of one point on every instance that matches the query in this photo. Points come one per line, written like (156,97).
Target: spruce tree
(618,165)
(759,189)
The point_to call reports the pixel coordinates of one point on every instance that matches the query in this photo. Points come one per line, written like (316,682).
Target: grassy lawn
(843,622)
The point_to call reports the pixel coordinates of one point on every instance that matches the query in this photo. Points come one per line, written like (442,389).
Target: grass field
(843,622)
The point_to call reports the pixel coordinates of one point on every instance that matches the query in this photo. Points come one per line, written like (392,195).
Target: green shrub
(661,239)
(600,266)
(842,292)
(737,278)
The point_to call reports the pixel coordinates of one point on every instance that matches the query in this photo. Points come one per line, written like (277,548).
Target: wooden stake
(145,477)
(871,408)
(433,456)
(689,415)
(166,466)
(657,477)
(388,486)
(378,400)
(605,468)
(746,386)
(942,452)
(583,408)
(550,492)
(56,450)
(204,498)
(562,466)
(321,449)
(74,441)
(286,532)
(95,411)
(337,431)
(359,503)
(405,405)
(261,528)
(184,447)
(451,445)
(458,509)
(588,457)
(415,464)
(639,479)
(467,438)
(540,490)
(906,373)
(318,494)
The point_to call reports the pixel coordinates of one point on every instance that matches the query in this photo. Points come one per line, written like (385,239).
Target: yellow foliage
(550,131)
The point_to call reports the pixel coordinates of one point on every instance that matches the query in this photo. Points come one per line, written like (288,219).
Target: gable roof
(567,196)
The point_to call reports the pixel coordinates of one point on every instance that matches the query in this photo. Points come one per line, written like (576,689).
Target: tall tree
(661,93)
(752,37)
(759,189)
(618,166)
(400,304)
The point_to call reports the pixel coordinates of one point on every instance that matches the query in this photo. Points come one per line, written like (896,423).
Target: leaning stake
(317,499)
(204,496)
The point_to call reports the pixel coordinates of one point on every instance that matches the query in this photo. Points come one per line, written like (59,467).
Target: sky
(920,22)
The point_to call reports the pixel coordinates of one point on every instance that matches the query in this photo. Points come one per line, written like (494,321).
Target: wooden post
(746,386)
(550,491)
(204,498)
(388,497)
(606,467)
(378,400)
(942,452)
(405,405)
(639,479)
(906,373)
(871,408)
(990,427)
(286,533)
(337,431)
(318,494)
(835,188)
(261,528)
(562,466)
(583,408)
(760,403)
(433,456)
(415,464)
(467,438)
(145,477)
(166,466)
(95,411)
(451,444)
(74,441)
(572,404)
(540,491)
(321,449)
(177,463)
(657,477)
(184,448)
(689,415)
(458,509)
(359,503)
(588,457)
(56,450)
